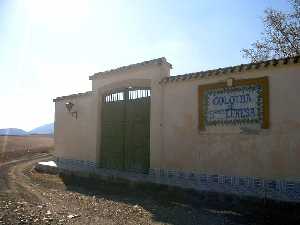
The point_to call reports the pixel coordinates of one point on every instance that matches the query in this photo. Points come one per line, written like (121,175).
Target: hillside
(44,129)
(13,131)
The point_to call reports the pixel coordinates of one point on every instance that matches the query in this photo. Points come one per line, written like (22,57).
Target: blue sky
(49,48)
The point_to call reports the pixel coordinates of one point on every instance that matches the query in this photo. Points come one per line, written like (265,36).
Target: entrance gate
(125,142)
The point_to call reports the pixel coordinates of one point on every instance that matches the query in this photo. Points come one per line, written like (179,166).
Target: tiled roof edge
(73,96)
(124,68)
(233,69)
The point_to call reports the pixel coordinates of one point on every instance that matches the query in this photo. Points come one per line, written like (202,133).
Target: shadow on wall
(176,206)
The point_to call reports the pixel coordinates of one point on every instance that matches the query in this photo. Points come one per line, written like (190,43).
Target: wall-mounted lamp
(69,106)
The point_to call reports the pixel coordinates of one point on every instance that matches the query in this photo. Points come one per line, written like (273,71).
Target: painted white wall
(176,141)
(273,153)
(75,138)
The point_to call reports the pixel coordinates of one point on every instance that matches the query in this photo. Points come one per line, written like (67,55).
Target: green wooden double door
(125,142)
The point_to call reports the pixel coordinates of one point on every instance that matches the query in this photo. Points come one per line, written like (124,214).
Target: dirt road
(28,197)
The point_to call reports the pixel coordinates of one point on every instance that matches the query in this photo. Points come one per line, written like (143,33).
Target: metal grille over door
(126,130)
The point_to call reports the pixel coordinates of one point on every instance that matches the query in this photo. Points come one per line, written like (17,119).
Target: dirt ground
(29,197)
(35,198)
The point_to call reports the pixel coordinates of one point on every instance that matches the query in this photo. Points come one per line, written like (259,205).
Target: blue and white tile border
(280,190)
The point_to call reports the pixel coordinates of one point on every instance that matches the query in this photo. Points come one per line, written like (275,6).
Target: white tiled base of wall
(279,190)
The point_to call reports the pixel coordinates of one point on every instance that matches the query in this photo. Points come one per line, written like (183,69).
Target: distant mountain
(13,131)
(44,129)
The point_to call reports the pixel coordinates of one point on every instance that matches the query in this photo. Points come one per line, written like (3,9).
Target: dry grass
(15,146)
(19,143)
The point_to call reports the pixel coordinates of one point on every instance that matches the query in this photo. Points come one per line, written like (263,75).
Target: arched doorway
(125,130)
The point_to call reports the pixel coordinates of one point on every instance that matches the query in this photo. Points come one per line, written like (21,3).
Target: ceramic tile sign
(233,105)
(245,102)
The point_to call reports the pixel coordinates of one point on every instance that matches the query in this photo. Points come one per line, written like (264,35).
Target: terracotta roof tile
(232,69)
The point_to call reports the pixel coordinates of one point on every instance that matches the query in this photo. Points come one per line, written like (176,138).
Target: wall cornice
(233,69)
(158,61)
(88,93)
